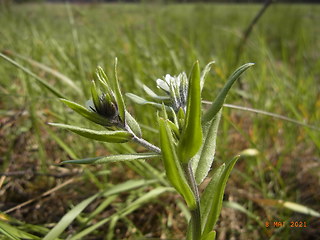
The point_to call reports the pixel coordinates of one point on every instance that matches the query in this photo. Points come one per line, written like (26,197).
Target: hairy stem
(146,144)
(195,213)
(142,141)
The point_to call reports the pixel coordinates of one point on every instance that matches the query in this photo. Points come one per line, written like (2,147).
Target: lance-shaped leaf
(104,136)
(211,199)
(204,73)
(191,137)
(113,158)
(133,124)
(172,165)
(95,95)
(219,100)
(92,116)
(210,236)
(153,94)
(117,91)
(202,161)
(142,101)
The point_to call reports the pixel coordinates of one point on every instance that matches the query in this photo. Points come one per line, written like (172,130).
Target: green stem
(195,213)
(142,141)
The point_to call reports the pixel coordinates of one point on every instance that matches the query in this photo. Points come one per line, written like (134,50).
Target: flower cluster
(177,89)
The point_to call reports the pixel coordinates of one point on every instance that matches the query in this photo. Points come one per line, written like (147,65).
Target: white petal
(163,85)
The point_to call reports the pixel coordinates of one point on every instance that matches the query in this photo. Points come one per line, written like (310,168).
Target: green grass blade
(14,233)
(191,137)
(172,165)
(211,200)
(219,100)
(113,158)
(104,136)
(68,218)
(41,81)
(123,187)
(49,70)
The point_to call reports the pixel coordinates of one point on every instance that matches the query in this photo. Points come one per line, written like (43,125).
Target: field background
(151,41)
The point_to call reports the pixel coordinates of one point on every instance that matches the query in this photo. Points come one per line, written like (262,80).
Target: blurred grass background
(151,41)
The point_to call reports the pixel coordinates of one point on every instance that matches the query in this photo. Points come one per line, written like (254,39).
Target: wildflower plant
(187,137)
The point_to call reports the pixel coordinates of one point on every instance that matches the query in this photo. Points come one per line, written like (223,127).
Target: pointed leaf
(104,136)
(218,102)
(211,199)
(113,158)
(12,232)
(95,95)
(172,165)
(103,78)
(204,73)
(133,124)
(191,137)
(210,236)
(142,101)
(68,218)
(202,161)
(153,94)
(92,116)
(119,98)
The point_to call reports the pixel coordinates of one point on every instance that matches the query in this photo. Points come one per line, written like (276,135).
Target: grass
(149,42)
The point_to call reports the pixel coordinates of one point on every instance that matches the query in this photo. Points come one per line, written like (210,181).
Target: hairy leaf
(133,124)
(211,199)
(92,116)
(219,100)
(104,136)
(204,73)
(119,98)
(172,165)
(191,137)
(202,161)
(113,158)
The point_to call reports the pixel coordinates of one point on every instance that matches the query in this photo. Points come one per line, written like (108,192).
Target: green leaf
(119,98)
(68,218)
(133,124)
(202,161)
(113,158)
(210,236)
(191,137)
(204,73)
(102,77)
(219,100)
(172,165)
(12,232)
(153,94)
(104,136)
(92,116)
(95,95)
(73,213)
(142,101)
(211,199)
(41,81)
